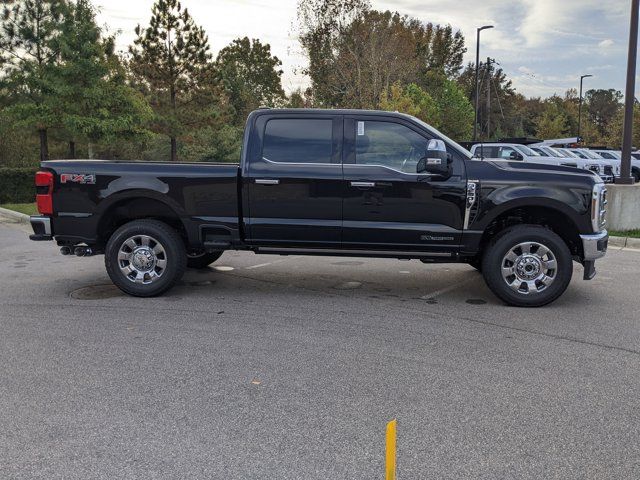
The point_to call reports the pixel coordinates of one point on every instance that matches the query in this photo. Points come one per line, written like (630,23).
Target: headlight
(598,207)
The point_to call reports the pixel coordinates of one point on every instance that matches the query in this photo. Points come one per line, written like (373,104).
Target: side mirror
(437,160)
(515,156)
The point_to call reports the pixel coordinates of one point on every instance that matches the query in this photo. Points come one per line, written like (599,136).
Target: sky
(543,45)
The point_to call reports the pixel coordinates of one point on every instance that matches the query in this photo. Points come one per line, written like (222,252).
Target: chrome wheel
(142,259)
(529,267)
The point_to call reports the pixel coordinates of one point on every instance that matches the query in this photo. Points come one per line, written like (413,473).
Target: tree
(92,96)
(553,122)
(411,100)
(502,98)
(172,65)
(29,57)
(251,76)
(356,54)
(601,108)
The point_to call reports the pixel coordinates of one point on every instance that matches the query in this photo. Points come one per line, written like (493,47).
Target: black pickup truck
(330,182)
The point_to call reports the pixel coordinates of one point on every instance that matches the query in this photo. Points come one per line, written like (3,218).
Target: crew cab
(336,183)
(512,152)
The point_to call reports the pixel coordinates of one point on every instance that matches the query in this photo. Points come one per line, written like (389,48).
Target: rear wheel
(527,266)
(145,258)
(202,260)
(636,174)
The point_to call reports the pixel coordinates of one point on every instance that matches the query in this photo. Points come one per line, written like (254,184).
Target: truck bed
(198,194)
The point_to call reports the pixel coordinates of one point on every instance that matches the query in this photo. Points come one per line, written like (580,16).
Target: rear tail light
(44,191)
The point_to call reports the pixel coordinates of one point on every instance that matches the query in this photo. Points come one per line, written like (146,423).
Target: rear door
(294,181)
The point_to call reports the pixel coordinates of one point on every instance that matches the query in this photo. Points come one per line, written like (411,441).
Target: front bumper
(594,245)
(41,228)
(607,178)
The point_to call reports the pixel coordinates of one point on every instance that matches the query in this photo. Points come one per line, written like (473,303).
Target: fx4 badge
(83,178)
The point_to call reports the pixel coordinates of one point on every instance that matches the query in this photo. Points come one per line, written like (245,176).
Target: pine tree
(94,100)
(172,64)
(29,56)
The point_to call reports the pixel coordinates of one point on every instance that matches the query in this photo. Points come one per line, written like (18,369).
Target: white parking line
(260,265)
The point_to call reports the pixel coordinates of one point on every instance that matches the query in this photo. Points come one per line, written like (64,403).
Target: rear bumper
(41,228)
(595,245)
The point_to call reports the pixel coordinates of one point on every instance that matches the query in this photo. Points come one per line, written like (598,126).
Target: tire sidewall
(170,241)
(492,265)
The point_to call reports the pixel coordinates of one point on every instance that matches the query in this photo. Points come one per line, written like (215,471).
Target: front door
(294,181)
(387,204)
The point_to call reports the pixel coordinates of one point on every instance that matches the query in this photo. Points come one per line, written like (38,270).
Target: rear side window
(298,140)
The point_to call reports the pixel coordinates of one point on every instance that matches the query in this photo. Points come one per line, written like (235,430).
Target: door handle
(363,184)
(267,181)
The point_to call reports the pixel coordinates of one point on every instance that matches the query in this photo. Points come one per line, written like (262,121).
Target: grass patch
(26,208)
(628,233)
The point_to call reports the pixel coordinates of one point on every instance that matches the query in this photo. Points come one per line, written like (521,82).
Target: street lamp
(475,121)
(580,104)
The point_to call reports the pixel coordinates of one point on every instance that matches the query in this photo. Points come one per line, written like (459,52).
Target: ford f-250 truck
(337,183)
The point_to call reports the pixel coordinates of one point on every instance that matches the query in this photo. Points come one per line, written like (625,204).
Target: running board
(350,253)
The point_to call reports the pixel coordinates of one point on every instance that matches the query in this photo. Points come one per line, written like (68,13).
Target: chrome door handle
(363,184)
(267,181)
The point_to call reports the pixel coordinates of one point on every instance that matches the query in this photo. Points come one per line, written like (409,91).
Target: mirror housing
(437,160)
(515,156)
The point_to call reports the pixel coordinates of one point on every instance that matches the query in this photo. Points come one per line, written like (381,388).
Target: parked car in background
(615,156)
(608,168)
(512,152)
(571,159)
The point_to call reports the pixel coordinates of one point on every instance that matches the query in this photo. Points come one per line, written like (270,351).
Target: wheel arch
(124,207)
(551,217)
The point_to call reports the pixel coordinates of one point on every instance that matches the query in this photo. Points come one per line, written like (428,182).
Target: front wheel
(145,258)
(527,266)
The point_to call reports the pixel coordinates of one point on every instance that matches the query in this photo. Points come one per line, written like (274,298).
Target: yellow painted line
(390,464)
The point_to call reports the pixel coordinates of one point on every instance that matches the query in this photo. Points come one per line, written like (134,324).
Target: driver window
(389,144)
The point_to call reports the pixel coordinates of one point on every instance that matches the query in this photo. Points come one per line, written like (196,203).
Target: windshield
(550,151)
(579,153)
(527,151)
(591,154)
(566,153)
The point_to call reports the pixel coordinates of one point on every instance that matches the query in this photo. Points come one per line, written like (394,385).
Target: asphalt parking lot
(270,367)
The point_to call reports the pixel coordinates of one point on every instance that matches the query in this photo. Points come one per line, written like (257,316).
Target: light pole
(580,104)
(475,121)
(629,98)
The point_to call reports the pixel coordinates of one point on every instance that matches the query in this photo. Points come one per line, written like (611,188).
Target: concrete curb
(17,216)
(618,242)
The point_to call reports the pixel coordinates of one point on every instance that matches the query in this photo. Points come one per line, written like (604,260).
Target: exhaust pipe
(83,251)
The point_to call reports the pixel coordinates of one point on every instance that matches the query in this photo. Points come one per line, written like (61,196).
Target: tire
(529,279)
(635,173)
(203,260)
(145,258)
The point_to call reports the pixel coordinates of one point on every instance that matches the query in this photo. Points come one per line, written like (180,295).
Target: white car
(595,165)
(569,159)
(615,156)
(512,152)
(608,168)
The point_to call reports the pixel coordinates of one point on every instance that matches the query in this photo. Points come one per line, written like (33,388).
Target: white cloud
(606,43)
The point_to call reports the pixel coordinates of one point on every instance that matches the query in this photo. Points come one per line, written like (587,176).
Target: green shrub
(17,185)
